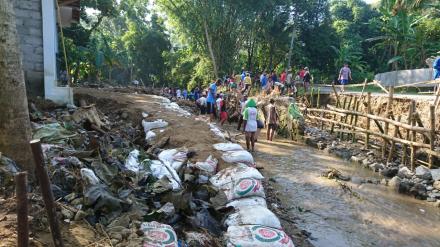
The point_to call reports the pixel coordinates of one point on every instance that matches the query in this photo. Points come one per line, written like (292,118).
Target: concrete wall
(30,34)
(402,77)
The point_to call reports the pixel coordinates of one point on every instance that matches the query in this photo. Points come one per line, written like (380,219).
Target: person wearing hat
(250,117)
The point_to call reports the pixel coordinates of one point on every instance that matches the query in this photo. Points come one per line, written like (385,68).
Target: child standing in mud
(250,117)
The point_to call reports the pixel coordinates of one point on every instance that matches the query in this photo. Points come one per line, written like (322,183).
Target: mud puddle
(375,216)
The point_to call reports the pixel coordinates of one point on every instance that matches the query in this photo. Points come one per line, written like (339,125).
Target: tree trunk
(211,52)
(15,129)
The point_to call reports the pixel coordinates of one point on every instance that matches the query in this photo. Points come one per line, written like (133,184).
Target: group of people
(182,94)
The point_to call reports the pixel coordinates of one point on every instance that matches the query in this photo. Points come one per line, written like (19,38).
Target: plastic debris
(89,176)
(52,133)
(132,163)
(161,170)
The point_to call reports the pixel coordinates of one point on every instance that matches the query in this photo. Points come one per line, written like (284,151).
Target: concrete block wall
(30,33)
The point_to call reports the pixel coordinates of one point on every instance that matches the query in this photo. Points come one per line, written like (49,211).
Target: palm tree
(15,131)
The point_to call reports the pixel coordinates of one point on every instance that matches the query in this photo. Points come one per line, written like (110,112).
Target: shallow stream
(334,217)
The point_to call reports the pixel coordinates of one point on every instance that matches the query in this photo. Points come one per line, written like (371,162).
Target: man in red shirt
(283,78)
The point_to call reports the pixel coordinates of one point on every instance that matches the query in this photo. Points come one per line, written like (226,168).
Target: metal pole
(22,210)
(43,178)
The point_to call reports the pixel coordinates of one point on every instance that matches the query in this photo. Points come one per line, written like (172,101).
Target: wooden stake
(346,117)
(22,209)
(393,143)
(413,136)
(355,121)
(405,147)
(318,101)
(432,134)
(367,135)
(355,103)
(342,117)
(43,178)
(311,97)
(387,115)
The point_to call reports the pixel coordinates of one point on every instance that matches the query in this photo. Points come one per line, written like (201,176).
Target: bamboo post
(393,143)
(337,105)
(342,117)
(352,115)
(318,100)
(311,96)
(413,136)
(356,119)
(367,135)
(405,147)
(432,133)
(387,115)
(46,191)
(22,209)
(346,117)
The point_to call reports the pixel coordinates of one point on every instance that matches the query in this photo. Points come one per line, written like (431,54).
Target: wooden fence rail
(345,117)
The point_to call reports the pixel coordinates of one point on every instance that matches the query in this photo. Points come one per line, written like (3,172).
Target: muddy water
(376,217)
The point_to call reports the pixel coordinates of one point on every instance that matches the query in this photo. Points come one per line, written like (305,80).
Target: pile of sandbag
(240,186)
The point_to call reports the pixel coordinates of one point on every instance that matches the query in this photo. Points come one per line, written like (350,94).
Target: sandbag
(256,215)
(235,173)
(257,235)
(173,158)
(152,125)
(241,156)
(247,202)
(161,170)
(158,235)
(227,147)
(207,167)
(244,187)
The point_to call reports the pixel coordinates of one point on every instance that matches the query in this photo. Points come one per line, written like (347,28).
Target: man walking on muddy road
(272,120)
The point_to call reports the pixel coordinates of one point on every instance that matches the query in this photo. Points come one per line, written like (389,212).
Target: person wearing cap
(250,117)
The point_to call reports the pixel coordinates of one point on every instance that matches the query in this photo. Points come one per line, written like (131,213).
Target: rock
(405,186)
(168,209)
(435,195)
(80,215)
(67,213)
(357,180)
(430,199)
(356,159)
(419,191)
(436,185)
(389,172)
(404,172)
(437,204)
(124,115)
(429,188)
(435,173)
(377,166)
(384,181)
(423,172)
(394,183)
(366,162)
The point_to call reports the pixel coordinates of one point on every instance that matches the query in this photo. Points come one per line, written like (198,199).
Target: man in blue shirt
(263,80)
(243,75)
(436,66)
(210,101)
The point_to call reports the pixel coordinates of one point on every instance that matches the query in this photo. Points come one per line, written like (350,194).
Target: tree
(15,129)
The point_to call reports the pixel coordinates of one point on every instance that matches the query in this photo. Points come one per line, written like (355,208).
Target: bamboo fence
(344,119)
